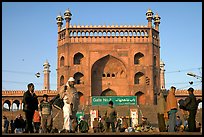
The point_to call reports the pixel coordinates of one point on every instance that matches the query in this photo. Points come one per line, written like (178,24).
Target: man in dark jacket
(6,124)
(30,104)
(191,105)
(111,117)
(83,126)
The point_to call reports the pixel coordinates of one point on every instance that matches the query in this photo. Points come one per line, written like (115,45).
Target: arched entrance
(140,97)
(108,92)
(108,73)
(81,98)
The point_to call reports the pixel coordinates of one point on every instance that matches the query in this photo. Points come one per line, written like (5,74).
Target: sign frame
(117,100)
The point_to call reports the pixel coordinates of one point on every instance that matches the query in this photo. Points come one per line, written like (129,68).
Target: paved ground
(116,133)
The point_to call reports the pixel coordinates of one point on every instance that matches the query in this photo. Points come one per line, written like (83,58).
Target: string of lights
(176,71)
(182,82)
(17,82)
(23,72)
(187,86)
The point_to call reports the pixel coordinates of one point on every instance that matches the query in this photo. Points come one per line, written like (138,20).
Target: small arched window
(77,58)
(155,61)
(78,77)
(113,75)
(62,61)
(138,58)
(138,78)
(61,80)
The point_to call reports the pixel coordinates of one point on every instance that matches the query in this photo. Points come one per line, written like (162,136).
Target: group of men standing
(68,94)
(70,99)
(167,110)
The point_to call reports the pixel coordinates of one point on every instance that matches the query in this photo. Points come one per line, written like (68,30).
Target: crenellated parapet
(108,34)
(19,93)
(11,97)
(197,93)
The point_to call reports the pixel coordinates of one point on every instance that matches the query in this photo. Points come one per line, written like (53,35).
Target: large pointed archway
(108,73)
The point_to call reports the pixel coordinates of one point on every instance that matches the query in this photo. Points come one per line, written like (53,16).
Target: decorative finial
(67,14)
(157,18)
(149,13)
(59,18)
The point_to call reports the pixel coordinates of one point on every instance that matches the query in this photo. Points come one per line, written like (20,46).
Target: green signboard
(117,100)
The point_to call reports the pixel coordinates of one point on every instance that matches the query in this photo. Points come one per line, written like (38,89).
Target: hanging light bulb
(37,74)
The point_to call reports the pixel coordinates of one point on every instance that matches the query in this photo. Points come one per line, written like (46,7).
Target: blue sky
(29,37)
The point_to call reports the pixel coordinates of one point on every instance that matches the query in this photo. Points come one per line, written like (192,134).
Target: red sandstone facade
(110,60)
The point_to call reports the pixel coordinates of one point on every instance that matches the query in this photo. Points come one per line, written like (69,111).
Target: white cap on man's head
(71,79)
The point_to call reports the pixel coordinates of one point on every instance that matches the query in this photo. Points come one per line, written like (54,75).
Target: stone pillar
(157,21)
(162,79)
(11,105)
(67,17)
(149,16)
(2,103)
(20,106)
(46,76)
(59,22)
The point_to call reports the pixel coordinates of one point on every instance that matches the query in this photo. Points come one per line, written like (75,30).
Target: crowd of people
(168,117)
(39,116)
(14,126)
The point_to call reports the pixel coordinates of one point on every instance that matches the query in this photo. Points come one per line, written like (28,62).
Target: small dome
(156,15)
(67,14)
(149,10)
(161,62)
(149,13)
(67,11)
(157,18)
(46,62)
(59,18)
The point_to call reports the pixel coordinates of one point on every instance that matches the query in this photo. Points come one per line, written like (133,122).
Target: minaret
(67,17)
(46,75)
(157,21)
(149,16)
(162,79)
(59,22)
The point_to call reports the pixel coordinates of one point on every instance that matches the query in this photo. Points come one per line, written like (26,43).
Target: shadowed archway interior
(108,72)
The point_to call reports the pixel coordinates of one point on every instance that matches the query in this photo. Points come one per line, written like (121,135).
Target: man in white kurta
(71,101)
